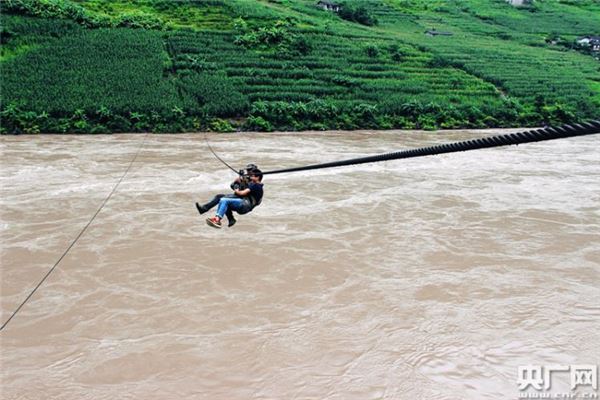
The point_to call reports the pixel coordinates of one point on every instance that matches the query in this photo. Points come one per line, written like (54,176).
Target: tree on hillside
(359,15)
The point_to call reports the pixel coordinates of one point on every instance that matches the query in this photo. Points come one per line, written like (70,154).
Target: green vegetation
(359,14)
(95,66)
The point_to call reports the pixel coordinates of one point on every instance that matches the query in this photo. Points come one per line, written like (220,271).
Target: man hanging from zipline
(247,194)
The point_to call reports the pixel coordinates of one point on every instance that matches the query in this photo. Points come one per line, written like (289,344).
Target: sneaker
(214,222)
(201,209)
(231,222)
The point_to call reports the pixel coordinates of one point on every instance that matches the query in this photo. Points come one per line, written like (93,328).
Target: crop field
(521,65)
(113,66)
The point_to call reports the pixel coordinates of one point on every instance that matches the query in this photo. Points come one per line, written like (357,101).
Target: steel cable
(76,238)
(535,135)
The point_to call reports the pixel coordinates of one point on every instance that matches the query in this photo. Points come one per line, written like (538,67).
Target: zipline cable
(535,135)
(78,236)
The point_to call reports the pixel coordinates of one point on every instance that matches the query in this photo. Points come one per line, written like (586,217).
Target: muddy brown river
(427,278)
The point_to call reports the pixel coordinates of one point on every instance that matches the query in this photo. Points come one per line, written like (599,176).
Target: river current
(426,278)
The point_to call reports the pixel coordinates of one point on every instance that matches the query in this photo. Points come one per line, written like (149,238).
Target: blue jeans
(229,203)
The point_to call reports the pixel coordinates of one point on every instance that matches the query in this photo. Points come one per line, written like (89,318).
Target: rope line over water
(535,135)
(215,154)
(114,189)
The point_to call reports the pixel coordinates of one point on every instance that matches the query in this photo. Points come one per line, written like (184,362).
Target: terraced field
(336,68)
(241,64)
(526,68)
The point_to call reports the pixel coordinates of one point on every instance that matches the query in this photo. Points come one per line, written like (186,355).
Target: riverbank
(281,116)
(483,131)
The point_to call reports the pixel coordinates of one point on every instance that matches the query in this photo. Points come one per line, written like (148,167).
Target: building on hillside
(519,2)
(329,5)
(433,32)
(593,42)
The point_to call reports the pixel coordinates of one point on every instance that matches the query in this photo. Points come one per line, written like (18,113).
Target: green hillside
(159,65)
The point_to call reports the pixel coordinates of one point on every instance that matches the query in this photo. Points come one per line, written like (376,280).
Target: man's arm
(242,193)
